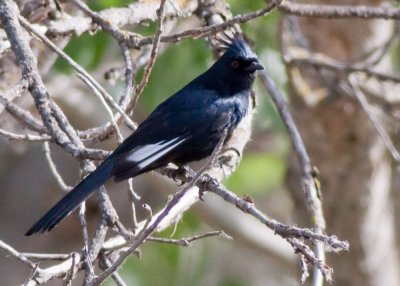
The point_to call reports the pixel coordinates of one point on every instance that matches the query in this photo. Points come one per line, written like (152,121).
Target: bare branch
(309,256)
(283,230)
(46,256)
(24,137)
(18,255)
(301,56)
(186,241)
(84,75)
(375,122)
(25,118)
(13,93)
(88,266)
(134,13)
(25,57)
(115,276)
(309,178)
(153,55)
(340,11)
(106,107)
(53,168)
(209,30)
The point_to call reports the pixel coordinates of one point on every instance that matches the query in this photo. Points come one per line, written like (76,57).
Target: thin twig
(309,179)
(187,240)
(311,258)
(339,11)
(129,75)
(115,276)
(319,60)
(71,272)
(53,168)
(18,255)
(132,14)
(133,196)
(79,69)
(89,271)
(13,93)
(24,137)
(331,242)
(374,120)
(209,30)
(304,269)
(139,240)
(377,53)
(25,118)
(106,107)
(24,55)
(153,55)
(122,41)
(101,133)
(32,274)
(46,256)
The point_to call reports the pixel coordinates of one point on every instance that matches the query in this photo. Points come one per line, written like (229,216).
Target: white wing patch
(145,155)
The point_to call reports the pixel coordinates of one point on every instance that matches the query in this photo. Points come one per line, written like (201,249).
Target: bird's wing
(146,157)
(168,128)
(223,120)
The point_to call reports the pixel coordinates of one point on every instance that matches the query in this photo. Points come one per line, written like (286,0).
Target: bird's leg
(225,157)
(181,174)
(234,150)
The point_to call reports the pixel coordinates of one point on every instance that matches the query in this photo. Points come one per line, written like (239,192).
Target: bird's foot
(201,194)
(180,175)
(202,191)
(207,182)
(226,157)
(234,150)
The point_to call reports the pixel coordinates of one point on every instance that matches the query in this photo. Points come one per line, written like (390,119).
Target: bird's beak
(254,66)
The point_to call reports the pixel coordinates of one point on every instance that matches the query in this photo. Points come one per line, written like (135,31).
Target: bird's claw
(201,194)
(179,175)
(206,184)
(235,150)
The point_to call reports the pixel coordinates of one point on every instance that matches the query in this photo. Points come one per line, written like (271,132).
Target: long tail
(74,198)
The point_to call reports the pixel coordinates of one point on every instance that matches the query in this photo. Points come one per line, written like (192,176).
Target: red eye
(234,64)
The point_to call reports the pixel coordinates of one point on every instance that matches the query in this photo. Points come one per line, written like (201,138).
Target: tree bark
(354,168)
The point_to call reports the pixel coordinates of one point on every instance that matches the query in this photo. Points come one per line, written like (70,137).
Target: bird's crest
(233,42)
(226,38)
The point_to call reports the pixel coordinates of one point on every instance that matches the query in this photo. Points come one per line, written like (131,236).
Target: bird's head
(237,66)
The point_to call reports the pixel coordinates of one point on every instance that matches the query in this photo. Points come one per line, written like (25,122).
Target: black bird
(184,128)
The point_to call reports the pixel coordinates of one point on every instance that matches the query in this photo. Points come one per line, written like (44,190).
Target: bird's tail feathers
(74,198)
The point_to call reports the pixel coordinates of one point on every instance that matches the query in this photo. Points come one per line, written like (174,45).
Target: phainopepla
(184,128)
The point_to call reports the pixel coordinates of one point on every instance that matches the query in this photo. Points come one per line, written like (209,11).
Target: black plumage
(184,128)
